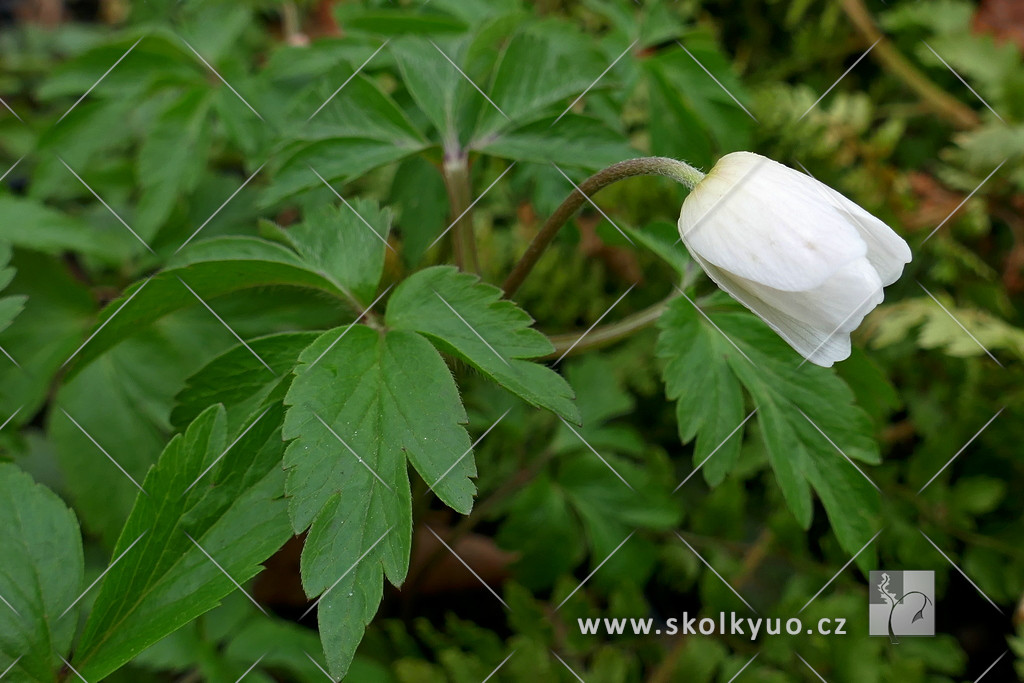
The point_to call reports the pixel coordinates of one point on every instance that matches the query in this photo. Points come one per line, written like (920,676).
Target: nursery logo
(901,603)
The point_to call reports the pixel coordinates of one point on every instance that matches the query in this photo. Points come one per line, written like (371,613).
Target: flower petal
(767,223)
(802,325)
(887,251)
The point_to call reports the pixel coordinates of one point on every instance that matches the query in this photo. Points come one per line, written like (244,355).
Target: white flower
(804,258)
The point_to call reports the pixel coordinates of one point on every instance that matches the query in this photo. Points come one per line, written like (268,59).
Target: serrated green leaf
(237,379)
(171,159)
(709,400)
(211,269)
(574,141)
(362,402)
(805,413)
(228,499)
(42,577)
(470,319)
(435,84)
(10,306)
(346,243)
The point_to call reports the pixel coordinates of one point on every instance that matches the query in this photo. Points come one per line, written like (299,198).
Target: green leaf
(435,84)
(57,311)
(42,576)
(28,224)
(122,401)
(361,403)
(401,22)
(469,318)
(211,269)
(337,160)
(10,306)
(806,414)
(171,159)
(418,194)
(235,512)
(346,243)
(532,74)
(708,396)
(237,379)
(575,141)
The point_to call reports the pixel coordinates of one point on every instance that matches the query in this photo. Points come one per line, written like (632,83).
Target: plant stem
(573,343)
(661,166)
(456,182)
(937,99)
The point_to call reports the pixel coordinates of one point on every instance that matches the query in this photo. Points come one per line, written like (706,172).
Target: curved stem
(577,342)
(937,99)
(662,166)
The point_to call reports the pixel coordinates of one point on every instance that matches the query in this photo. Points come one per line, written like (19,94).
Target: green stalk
(660,166)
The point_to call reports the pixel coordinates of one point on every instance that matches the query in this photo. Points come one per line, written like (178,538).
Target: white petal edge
(767,223)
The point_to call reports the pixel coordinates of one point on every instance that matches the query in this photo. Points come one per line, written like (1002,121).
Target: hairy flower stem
(456,182)
(663,166)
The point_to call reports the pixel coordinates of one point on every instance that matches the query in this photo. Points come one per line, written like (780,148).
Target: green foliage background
(229,320)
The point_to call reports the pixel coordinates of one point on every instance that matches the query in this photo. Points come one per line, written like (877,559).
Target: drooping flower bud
(804,258)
